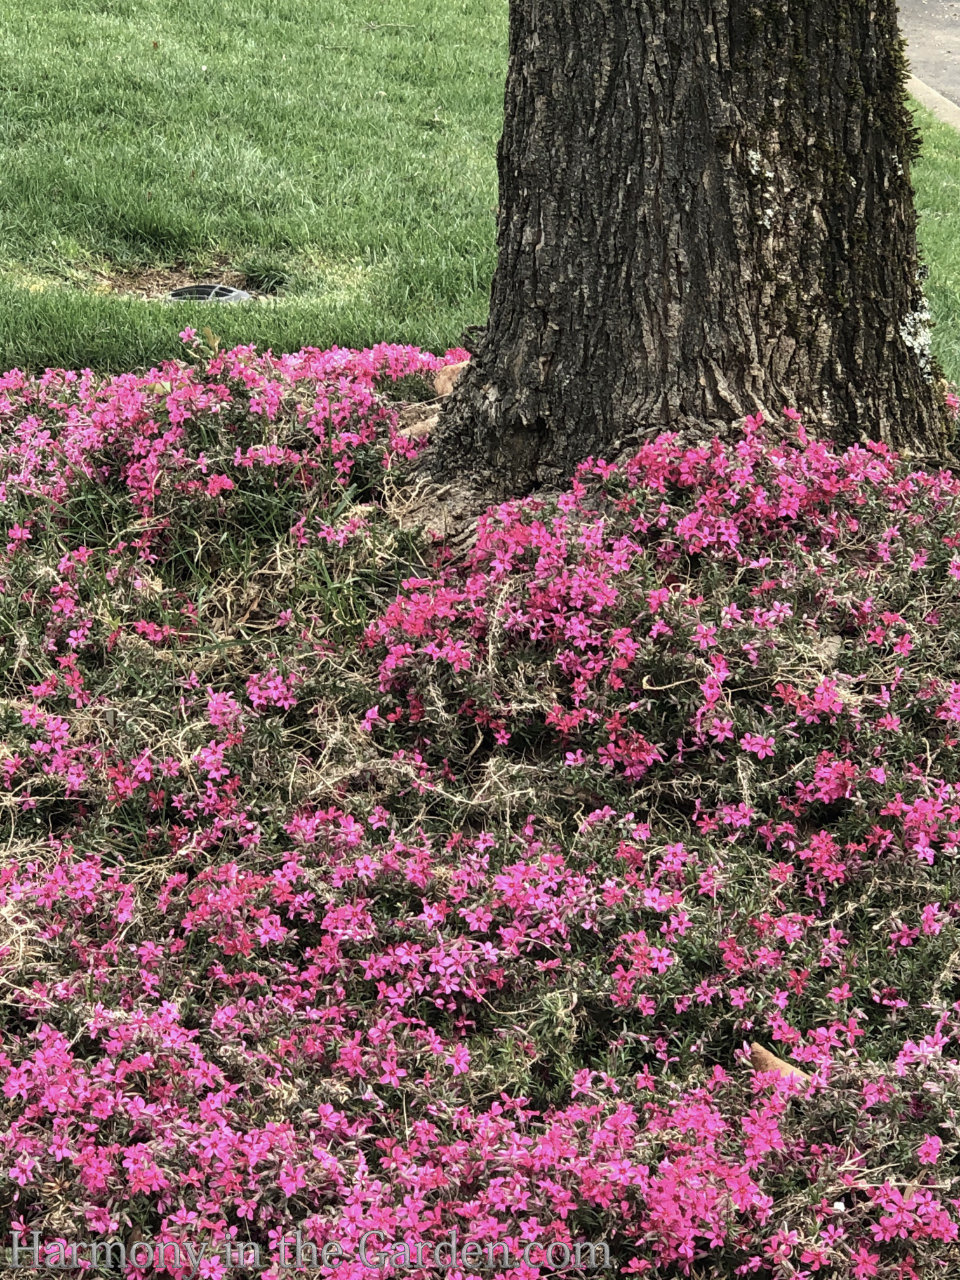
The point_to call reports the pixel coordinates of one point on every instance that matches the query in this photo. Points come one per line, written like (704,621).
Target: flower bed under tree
(348,889)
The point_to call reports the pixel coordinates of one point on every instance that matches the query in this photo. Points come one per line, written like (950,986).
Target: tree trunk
(705,212)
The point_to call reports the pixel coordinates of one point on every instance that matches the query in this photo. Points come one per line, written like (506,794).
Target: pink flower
(721,729)
(18,534)
(930,918)
(903,937)
(459,1060)
(865,1262)
(929,1150)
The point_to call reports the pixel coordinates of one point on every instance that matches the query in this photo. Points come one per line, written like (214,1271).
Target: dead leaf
(445,379)
(418,423)
(828,650)
(763,1060)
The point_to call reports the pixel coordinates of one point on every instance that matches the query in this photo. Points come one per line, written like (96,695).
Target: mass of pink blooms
(460,905)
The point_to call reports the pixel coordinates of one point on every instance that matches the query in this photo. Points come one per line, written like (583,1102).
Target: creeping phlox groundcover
(346,888)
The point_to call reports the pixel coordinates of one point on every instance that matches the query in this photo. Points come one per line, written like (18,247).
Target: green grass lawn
(937,181)
(346,147)
(340,164)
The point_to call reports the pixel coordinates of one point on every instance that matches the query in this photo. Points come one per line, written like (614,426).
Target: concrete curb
(941,107)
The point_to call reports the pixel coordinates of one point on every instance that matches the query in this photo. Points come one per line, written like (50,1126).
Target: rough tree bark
(705,211)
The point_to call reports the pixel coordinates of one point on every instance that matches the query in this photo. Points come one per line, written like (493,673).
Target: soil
(152,283)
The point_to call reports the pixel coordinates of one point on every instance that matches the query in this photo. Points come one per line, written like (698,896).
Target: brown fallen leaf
(419,424)
(763,1060)
(445,378)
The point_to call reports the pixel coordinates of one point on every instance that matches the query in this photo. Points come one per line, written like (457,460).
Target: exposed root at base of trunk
(448,510)
(447,513)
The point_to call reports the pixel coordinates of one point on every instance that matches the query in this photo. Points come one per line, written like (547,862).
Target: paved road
(932,28)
